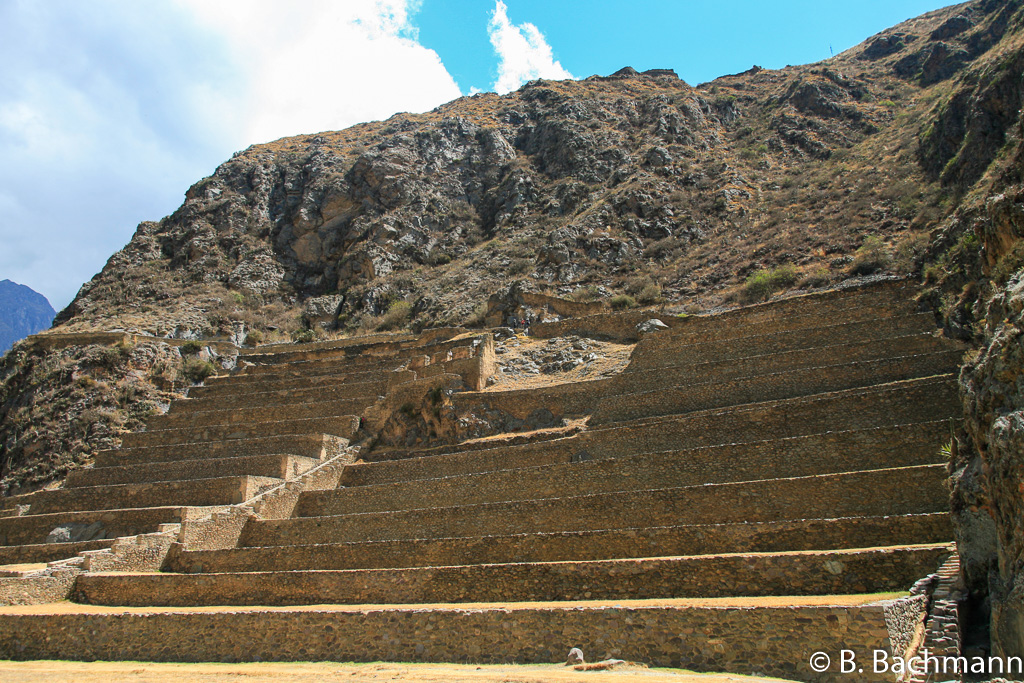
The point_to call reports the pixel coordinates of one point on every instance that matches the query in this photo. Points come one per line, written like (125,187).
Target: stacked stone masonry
(787,449)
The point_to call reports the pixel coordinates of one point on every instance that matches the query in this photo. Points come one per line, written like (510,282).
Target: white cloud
(110,109)
(523,53)
(328,66)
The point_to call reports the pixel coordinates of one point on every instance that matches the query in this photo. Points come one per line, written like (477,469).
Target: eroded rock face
(989,473)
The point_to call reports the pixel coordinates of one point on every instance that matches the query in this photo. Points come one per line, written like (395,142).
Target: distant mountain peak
(23,311)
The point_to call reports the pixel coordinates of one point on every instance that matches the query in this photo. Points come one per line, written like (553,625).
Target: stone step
(901,491)
(413,357)
(259,414)
(799,312)
(353,346)
(343,427)
(366,353)
(366,347)
(273,466)
(655,351)
(197,492)
(316,446)
(231,385)
(867,570)
(680,399)
(340,364)
(463,462)
(93,524)
(246,397)
(48,552)
(689,372)
(793,457)
(291,377)
(599,544)
(889,406)
(924,399)
(755,636)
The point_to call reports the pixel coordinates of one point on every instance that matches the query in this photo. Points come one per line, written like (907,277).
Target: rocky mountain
(901,155)
(23,311)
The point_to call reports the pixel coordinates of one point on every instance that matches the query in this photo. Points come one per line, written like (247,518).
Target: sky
(111,109)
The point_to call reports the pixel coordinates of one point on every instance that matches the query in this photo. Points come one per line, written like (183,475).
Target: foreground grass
(261,672)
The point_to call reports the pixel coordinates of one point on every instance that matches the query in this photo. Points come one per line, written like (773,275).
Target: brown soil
(145,672)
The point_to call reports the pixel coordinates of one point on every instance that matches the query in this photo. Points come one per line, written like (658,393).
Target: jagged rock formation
(23,311)
(572,184)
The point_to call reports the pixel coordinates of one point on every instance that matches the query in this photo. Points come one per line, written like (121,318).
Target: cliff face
(901,155)
(23,311)
(573,185)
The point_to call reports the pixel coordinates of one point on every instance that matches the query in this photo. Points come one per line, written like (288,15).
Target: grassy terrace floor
(265,672)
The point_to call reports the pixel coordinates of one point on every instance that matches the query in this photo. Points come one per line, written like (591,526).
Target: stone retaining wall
(900,403)
(804,534)
(674,400)
(801,456)
(774,641)
(198,492)
(686,371)
(921,489)
(274,466)
(207,415)
(316,446)
(33,529)
(343,427)
(46,586)
(707,576)
(572,399)
(659,350)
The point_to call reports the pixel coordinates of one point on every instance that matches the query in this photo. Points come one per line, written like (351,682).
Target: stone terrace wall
(560,400)
(826,572)
(851,532)
(747,640)
(856,494)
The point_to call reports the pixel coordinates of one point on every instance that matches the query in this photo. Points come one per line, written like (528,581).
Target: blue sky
(110,109)
(700,39)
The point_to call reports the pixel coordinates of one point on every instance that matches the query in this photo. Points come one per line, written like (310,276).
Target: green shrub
(584,294)
(819,277)
(190,348)
(910,253)
(437,257)
(650,294)
(253,337)
(620,302)
(762,284)
(196,370)
(303,336)
(397,316)
(870,258)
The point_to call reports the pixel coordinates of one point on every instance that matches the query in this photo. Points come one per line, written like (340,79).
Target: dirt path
(146,672)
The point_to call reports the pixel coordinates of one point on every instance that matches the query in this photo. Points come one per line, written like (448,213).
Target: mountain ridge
(23,311)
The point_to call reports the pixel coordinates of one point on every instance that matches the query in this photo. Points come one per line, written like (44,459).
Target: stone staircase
(227,443)
(739,494)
